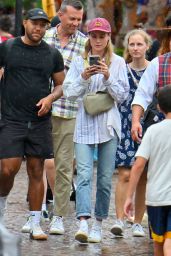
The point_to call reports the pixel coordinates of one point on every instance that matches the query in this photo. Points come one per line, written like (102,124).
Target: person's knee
(84,178)
(124,176)
(167,247)
(36,174)
(7,172)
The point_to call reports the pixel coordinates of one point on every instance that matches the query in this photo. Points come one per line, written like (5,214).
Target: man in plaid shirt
(70,42)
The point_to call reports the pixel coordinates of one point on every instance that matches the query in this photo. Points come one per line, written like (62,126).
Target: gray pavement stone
(65,245)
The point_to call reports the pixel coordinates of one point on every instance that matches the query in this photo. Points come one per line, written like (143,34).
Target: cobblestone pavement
(65,245)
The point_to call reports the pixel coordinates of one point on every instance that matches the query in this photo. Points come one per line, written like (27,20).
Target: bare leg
(158,249)
(167,247)
(9,168)
(36,186)
(45,186)
(140,198)
(121,189)
(50,172)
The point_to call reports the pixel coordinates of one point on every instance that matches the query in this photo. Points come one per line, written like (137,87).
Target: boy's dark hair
(74,3)
(164,99)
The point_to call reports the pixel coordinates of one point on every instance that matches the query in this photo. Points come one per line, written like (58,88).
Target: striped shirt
(102,127)
(63,107)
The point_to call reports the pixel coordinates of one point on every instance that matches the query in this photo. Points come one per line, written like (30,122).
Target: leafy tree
(26,3)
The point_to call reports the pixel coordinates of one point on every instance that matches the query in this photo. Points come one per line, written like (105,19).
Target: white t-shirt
(156,147)
(147,85)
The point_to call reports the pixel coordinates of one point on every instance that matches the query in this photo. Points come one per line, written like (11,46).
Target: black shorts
(160,222)
(18,139)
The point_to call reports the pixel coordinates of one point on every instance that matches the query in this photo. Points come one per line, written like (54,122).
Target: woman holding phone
(103,129)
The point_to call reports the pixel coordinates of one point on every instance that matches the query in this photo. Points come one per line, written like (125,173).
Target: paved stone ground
(66,245)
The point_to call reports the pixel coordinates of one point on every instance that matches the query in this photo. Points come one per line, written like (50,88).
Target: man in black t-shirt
(25,128)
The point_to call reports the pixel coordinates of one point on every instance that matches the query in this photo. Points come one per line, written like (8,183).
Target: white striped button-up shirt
(102,127)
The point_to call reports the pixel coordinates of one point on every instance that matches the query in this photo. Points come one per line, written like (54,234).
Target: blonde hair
(107,54)
(146,37)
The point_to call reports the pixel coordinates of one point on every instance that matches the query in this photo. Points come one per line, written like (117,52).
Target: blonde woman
(103,129)
(136,43)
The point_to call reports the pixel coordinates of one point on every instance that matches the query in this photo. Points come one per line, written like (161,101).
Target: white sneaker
(137,230)
(118,228)
(82,233)
(44,216)
(56,226)
(95,235)
(37,233)
(27,227)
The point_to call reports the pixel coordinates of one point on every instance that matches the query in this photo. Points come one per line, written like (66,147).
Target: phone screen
(93,60)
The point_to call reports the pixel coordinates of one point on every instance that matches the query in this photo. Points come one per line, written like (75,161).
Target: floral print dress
(127,148)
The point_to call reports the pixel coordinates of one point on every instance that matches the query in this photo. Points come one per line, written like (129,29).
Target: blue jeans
(105,168)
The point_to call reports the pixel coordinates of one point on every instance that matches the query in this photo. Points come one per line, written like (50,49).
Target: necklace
(139,69)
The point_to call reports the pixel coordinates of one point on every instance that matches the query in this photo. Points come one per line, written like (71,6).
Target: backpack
(152,114)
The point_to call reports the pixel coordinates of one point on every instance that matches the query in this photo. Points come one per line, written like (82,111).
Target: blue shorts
(160,222)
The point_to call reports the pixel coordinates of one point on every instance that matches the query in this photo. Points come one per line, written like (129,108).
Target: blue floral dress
(127,148)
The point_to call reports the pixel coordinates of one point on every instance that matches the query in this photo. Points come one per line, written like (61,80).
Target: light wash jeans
(105,168)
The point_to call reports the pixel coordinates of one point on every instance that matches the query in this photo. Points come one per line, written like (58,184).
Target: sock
(3,200)
(35,217)
(83,222)
(44,207)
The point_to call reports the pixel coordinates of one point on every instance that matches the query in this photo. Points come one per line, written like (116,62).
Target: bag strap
(135,80)
(69,58)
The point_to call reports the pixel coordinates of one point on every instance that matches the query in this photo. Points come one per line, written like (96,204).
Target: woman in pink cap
(102,129)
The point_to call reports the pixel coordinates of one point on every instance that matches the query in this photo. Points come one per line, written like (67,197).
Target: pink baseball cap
(99,24)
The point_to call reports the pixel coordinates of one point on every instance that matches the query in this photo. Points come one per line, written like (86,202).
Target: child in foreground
(155,149)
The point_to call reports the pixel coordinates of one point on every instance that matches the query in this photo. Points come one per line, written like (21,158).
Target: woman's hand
(103,69)
(89,71)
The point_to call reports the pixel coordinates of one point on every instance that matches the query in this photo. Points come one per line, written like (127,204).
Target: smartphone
(93,59)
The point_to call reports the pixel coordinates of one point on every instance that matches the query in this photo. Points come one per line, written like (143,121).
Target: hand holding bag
(97,102)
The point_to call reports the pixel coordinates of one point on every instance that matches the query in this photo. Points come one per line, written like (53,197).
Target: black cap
(36,14)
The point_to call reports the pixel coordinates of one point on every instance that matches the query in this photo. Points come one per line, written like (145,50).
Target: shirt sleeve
(74,85)
(145,146)
(58,61)
(147,85)
(117,83)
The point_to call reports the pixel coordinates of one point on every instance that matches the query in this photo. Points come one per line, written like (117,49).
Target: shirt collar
(72,37)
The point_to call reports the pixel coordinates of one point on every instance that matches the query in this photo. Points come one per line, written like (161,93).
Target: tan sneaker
(37,233)
(118,228)
(95,235)
(56,226)
(82,234)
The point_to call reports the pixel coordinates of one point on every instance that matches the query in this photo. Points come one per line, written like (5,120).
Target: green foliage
(26,3)
(119,51)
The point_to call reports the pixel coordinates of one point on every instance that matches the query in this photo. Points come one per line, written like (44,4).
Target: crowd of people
(50,77)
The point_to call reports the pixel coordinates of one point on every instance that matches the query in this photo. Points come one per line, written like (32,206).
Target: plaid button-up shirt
(164,70)
(65,108)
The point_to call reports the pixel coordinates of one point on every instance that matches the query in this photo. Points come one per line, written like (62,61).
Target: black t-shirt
(27,73)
